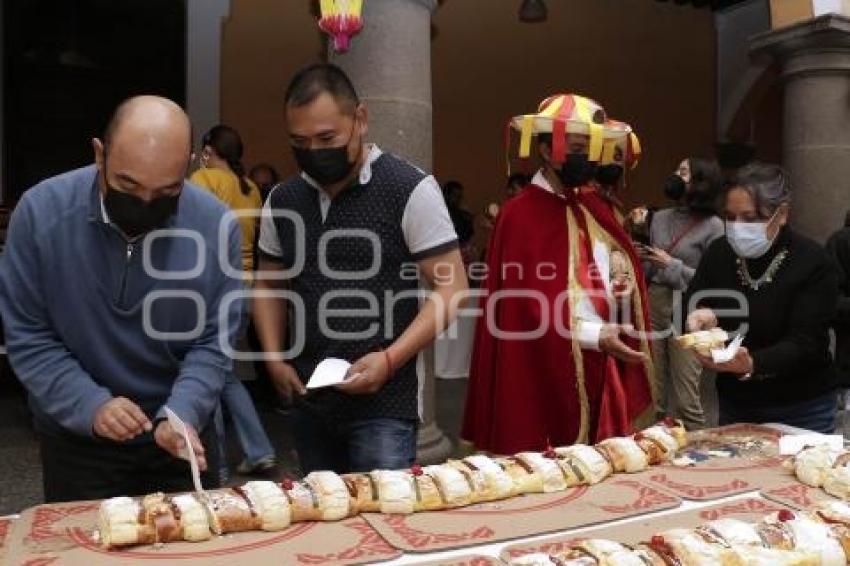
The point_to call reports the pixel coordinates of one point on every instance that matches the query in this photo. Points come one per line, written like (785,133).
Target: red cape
(525,393)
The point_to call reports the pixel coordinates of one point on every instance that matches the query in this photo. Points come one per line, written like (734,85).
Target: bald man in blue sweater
(116,300)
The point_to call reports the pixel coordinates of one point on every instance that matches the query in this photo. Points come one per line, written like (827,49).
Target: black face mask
(576,170)
(134,216)
(674,187)
(609,175)
(327,165)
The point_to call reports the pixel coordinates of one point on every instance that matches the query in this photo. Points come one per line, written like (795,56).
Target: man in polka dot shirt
(343,246)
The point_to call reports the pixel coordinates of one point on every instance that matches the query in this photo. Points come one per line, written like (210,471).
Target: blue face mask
(749,239)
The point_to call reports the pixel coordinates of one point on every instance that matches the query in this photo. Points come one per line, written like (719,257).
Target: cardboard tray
(754,464)
(61,534)
(618,497)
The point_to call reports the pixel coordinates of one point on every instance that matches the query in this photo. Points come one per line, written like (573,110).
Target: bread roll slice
(540,559)
(663,436)
(454,487)
(270,504)
(813,463)
(837,482)
(585,462)
(658,445)
(164,516)
(429,497)
(836,514)
(194,519)
(334,499)
(364,492)
(477,480)
(776,535)
(760,556)
(684,546)
(703,341)
(397,492)
(624,454)
(812,535)
(600,549)
(303,501)
(499,483)
(553,477)
(593,553)
(230,511)
(676,429)
(121,522)
(730,532)
(526,479)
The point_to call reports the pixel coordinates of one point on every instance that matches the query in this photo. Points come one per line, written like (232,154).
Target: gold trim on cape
(640,324)
(575,294)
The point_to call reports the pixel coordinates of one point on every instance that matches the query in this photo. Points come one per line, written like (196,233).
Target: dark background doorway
(67,64)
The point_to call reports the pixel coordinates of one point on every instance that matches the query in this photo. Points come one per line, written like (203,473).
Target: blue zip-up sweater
(76,298)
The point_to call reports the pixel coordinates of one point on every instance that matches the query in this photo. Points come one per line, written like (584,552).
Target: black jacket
(838,247)
(787,319)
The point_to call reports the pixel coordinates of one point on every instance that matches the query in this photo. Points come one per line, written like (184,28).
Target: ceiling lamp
(533,11)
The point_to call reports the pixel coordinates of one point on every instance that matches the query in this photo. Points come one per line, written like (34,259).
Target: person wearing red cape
(561,352)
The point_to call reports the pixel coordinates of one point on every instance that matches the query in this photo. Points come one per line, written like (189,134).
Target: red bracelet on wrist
(390,367)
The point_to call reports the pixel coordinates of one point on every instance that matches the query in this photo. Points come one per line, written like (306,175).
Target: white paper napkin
(187,453)
(790,444)
(723,355)
(329,372)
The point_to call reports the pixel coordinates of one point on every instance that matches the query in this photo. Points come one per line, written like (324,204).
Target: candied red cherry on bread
(659,545)
(785,515)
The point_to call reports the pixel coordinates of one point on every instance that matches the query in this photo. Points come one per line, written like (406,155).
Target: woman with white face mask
(780,290)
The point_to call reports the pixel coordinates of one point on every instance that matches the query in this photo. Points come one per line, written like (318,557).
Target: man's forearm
(197,390)
(269,314)
(438,312)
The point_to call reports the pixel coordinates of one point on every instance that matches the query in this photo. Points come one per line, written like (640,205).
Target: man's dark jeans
(354,446)
(816,414)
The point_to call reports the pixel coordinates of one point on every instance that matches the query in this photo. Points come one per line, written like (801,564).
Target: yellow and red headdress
(624,149)
(563,114)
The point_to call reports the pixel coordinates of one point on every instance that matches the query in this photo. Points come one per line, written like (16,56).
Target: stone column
(390,64)
(815,61)
(204,20)
(2,87)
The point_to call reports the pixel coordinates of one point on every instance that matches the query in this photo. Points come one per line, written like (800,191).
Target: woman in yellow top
(223,174)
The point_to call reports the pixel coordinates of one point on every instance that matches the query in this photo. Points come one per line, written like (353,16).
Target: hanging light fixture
(533,11)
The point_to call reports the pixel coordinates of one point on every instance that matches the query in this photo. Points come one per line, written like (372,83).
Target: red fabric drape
(524,391)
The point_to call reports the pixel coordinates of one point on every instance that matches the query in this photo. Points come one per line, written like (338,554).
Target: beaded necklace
(766,277)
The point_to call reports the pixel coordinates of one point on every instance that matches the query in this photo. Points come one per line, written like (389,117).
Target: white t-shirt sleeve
(269,241)
(426,223)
